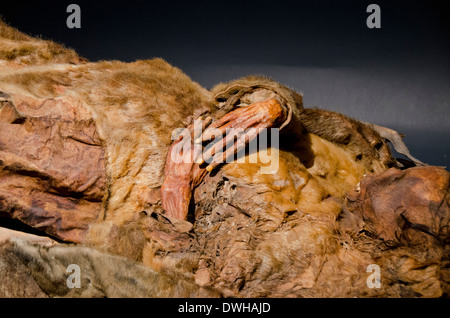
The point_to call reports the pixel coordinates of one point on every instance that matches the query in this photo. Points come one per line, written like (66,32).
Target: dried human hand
(236,129)
(183,170)
(181,173)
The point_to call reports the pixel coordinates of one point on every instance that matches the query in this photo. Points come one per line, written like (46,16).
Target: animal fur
(101,275)
(135,106)
(18,49)
(293,218)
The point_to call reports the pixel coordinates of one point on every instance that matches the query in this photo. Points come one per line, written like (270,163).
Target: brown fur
(359,139)
(18,49)
(261,227)
(256,235)
(252,89)
(249,241)
(135,106)
(102,275)
(272,223)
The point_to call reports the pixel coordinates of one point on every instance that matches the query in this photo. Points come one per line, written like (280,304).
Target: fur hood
(252,89)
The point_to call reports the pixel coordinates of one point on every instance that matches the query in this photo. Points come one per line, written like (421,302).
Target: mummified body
(250,234)
(136,107)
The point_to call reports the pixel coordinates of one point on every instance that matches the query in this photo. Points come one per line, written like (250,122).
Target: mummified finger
(269,111)
(240,144)
(182,174)
(197,129)
(221,144)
